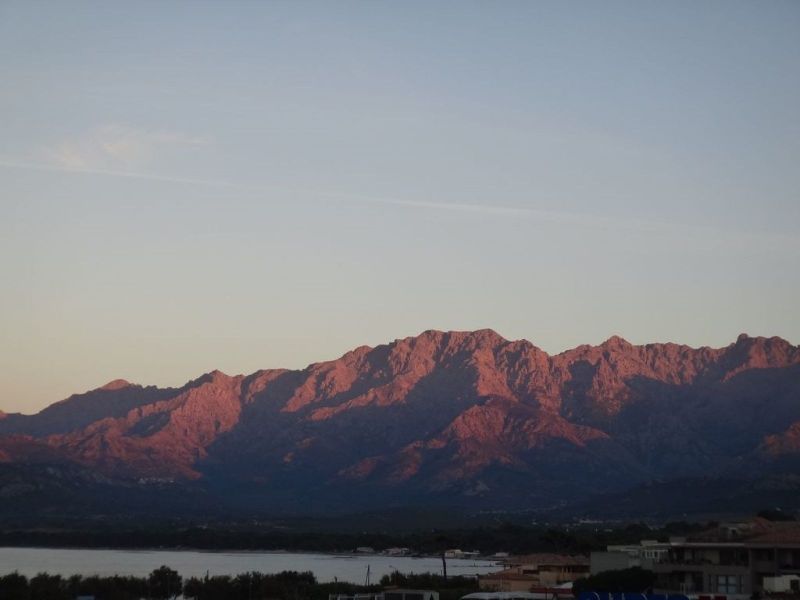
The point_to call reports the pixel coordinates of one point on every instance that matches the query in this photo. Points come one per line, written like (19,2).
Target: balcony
(706,567)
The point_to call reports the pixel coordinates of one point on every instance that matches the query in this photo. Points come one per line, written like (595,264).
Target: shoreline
(326,567)
(340,554)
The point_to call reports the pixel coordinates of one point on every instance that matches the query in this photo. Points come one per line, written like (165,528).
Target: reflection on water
(352,568)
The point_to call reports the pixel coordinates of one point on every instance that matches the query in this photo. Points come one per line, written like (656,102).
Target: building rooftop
(547,559)
(510,575)
(754,531)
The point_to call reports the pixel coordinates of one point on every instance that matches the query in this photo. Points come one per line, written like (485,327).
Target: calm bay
(326,567)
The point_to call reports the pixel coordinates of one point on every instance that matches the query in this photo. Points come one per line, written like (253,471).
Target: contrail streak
(789,241)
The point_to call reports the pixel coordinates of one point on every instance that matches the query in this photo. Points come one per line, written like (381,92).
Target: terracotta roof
(784,535)
(510,574)
(754,531)
(547,559)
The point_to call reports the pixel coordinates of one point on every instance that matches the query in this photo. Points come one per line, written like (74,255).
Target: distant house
(378,596)
(453,553)
(782,584)
(390,594)
(539,594)
(458,553)
(732,561)
(400,594)
(526,573)
(618,557)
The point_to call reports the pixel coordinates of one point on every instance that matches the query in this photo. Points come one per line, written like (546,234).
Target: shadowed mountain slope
(460,418)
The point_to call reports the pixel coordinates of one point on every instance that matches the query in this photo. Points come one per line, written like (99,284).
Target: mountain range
(462,419)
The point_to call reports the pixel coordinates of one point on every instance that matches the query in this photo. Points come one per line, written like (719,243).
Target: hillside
(465,419)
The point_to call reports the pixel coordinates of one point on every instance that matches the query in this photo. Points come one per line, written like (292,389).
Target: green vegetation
(776,514)
(451,588)
(634,579)
(165,583)
(502,537)
(54,587)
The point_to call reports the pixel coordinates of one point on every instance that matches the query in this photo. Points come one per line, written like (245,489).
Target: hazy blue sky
(197,185)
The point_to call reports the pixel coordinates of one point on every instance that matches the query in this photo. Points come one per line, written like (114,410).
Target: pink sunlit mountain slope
(450,418)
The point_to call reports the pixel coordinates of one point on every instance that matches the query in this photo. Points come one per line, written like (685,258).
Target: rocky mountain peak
(616,342)
(116,384)
(438,412)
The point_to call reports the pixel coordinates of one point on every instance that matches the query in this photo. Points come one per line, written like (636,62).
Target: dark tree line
(505,537)
(162,584)
(165,584)
(451,588)
(634,579)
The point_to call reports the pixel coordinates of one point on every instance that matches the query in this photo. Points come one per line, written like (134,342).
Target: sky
(188,186)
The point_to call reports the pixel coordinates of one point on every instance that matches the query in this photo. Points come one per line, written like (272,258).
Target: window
(728,584)
(763,554)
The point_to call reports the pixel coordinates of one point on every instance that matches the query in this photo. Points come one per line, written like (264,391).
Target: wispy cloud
(115,147)
(112,152)
(12,163)
(788,242)
(510,211)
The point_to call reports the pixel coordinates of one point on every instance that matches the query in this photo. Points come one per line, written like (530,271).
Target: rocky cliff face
(449,417)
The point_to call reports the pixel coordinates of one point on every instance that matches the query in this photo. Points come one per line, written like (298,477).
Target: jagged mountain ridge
(461,417)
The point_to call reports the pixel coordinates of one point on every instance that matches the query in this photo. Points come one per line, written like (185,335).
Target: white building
(618,557)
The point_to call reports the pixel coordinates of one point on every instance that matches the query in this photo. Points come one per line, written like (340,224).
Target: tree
(193,588)
(559,541)
(634,579)
(775,514)
(48,587)
(14,587)
(164,583)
